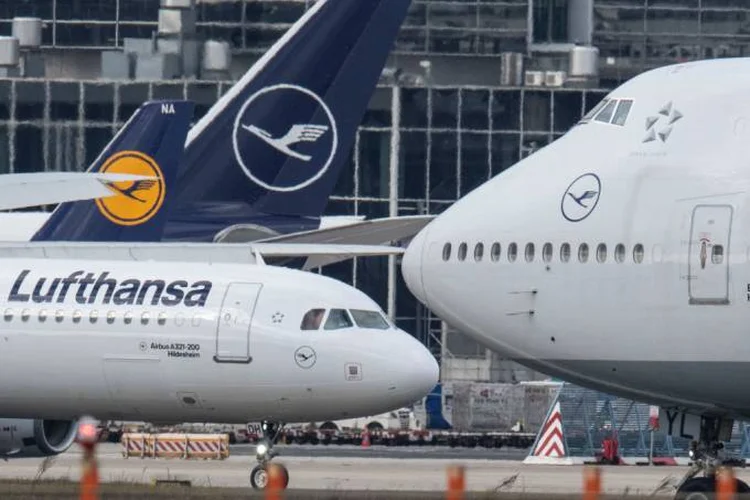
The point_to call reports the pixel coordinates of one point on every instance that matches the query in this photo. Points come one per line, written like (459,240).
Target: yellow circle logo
(134,202)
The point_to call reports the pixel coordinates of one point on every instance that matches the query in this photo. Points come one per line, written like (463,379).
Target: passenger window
(77,315)
(605,115)
(59,315)
(312,319)
(478,252)
(94,316)
(447,252)
(717,254)
(8,315)
(583,252)
(601,253)
(512,252)
(369,319)
(495,252)
(110,317)
(145,317)
(162,319)
(620,253)
(127,318)
(547,252)
(565,252)
(529,253)
(25,315)
(623,109)
(462,250)
(638,253)
(42,316)
(338,319)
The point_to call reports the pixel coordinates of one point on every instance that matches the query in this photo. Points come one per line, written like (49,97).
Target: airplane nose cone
(423,369)
(411,265)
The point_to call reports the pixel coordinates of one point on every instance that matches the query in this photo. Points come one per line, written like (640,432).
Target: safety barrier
(187,446)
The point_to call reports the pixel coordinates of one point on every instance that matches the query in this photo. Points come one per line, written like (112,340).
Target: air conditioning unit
(534,78)
(554,78)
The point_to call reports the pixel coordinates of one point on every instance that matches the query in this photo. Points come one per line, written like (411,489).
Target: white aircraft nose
(411,266)
(422,371)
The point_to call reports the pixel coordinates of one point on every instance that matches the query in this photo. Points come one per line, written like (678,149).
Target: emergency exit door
(235,323)
(710,233)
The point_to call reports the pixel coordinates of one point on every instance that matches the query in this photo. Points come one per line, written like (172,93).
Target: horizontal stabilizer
(235,253)
(49,188)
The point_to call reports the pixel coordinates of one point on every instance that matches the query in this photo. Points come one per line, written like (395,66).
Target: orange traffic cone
(726,486)
(456,482)
(365,439)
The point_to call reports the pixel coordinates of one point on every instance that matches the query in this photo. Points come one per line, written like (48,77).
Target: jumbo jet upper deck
(618,256)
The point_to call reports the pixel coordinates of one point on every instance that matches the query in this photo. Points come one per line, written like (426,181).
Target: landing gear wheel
(704,488)
(259,477)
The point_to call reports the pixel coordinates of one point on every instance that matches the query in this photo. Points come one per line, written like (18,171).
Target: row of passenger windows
(529,253)
(565,252)
(93,317)
(342,318)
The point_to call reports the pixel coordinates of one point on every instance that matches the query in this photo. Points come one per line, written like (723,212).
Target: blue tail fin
(278,139)
(150,144)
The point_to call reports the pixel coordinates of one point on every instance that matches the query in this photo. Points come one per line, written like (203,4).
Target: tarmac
(310,471)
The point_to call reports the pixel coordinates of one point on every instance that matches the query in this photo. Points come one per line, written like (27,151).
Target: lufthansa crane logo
(134,202)
(581,197)
(284,137)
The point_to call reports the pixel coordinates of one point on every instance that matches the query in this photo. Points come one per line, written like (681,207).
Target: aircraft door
(235,320)
(708,266)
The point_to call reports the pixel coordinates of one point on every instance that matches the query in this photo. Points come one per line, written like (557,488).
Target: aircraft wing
(367,232)
(253,253)
(47,188)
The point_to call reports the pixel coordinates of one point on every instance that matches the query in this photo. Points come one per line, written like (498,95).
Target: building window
(529,252)
(462,250)
(620,253)
(447,252)
(495,252)
(547,252)
(512,252)
(478,252)
(638,253)
(601,253)
(583,252)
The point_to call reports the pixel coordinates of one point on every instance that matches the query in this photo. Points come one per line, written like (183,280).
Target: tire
(259,477)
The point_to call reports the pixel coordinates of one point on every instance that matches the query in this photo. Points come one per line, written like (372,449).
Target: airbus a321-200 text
(617,257)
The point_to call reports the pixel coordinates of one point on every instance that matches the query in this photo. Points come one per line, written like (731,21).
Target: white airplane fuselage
(174,342)
(662,318)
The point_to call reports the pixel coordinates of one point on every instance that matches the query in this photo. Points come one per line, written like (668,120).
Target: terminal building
(471,87)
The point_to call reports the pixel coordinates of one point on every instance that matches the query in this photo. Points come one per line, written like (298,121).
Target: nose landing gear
(264,453)
(707,456)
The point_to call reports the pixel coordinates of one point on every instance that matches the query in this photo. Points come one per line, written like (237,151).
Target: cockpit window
(369,319)
(623,109)
(312,319)
(338,319)
(588,116)
(605,115)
